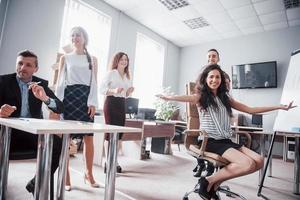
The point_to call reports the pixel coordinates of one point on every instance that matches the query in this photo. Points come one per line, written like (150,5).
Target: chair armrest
(247,135)
(198,132)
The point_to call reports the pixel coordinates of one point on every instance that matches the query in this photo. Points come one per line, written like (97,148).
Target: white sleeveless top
(76,71)
(215,122)
(113,80)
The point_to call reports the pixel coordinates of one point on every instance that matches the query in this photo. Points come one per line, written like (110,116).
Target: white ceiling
(226,18)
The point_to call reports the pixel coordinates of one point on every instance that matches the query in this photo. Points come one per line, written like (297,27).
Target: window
(148,70)
(98,27)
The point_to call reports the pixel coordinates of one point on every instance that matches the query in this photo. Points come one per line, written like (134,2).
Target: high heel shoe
(87,181)
(203,193)
(68,188)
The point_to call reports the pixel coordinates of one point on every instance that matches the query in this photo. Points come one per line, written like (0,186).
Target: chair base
(221,189)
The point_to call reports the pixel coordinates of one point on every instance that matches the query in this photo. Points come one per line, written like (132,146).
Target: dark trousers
(24,146)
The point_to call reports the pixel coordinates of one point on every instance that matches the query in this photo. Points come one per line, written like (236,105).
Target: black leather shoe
(119,169)
(203,193)
(30,186)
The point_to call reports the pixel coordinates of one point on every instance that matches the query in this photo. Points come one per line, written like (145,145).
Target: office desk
(150,129)
(45,129)
(296,135)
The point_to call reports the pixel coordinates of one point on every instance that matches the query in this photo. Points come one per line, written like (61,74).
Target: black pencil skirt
(220,146)
(114,112)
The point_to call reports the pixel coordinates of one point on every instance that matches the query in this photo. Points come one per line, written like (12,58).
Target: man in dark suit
(22,95)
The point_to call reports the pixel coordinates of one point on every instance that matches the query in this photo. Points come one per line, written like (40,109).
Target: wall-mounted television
(254,75)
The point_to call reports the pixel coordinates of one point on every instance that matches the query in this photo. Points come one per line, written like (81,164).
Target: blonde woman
(77,88)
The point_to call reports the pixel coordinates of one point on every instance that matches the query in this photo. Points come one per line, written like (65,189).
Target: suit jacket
(10,94)
(23,145)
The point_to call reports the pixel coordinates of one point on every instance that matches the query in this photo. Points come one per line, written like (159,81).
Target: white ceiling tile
(234,3)
(125,5)
(273,17)
(252,30)
(293,13)
(185,13)
(226,27)
(242,12)
(218,18)
(248,22)
(268,6)
(232,34)
(295,22)
(275,26)
(208,30)
(209,7)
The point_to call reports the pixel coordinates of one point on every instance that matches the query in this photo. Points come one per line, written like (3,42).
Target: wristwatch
(47,102)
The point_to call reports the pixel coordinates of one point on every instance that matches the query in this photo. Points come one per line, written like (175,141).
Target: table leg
(296,167)
(4,159)
(44,159)
(111,167)
(270,164)
(262,153)
(266,165)
(64,156)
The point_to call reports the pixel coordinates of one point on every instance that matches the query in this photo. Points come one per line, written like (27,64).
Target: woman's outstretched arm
(181,98)
(252,110)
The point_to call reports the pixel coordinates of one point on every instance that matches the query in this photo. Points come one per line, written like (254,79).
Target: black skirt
(75,105)
(114,112)
(220,146)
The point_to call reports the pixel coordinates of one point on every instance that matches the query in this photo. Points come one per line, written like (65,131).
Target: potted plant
(164,109)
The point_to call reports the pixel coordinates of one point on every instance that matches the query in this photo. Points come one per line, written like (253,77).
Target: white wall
(268,46)
(36,25)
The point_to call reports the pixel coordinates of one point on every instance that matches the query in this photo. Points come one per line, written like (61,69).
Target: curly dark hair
(207,97)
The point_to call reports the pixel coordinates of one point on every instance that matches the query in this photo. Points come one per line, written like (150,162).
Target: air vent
(196,23)
(174,4)
(291,4)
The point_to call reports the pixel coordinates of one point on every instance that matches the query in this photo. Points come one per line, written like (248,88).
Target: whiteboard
(287,120)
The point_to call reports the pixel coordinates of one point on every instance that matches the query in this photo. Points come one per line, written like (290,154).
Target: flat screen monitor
(257,120)
(131,105)
(146,113)
(254,75)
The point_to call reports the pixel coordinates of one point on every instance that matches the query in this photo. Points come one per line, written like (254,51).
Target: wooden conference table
(45,130)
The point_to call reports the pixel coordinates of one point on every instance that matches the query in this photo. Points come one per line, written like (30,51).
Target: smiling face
(77,38)
(213,80)
(123,62)
(26,67)
(212,57)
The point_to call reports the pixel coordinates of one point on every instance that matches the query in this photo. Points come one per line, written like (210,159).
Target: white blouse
(76,71)
(113,80)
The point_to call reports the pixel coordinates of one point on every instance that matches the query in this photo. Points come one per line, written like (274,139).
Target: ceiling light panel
(291,3)
(174,4)
(196,23)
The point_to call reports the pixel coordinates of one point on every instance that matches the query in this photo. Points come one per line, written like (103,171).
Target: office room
(167,45)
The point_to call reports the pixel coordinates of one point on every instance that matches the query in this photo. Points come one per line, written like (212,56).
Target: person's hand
(38,91)
(6,110)
(289,106)
(129,91)
(91,111)
(118,90)
(161,96)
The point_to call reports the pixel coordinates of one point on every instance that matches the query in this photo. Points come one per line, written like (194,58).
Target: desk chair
(208,162)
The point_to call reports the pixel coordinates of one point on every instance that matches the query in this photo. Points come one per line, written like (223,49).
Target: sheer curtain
(148,70)
(98,26)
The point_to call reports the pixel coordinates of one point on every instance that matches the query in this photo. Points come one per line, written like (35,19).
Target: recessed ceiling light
(196,23)
(174,4)
(291,4)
